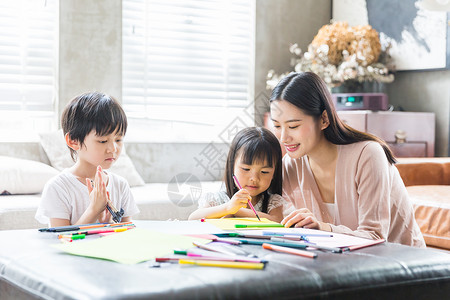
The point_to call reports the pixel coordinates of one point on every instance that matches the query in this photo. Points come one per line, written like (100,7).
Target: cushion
(23,176)
(58,153)
(432,211)
(424,170)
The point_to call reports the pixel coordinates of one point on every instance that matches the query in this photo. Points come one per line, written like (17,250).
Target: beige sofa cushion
(23,176)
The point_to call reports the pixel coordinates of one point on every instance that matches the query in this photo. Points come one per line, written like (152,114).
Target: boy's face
(101,150)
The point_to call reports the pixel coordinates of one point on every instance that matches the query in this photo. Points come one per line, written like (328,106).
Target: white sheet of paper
(337,240)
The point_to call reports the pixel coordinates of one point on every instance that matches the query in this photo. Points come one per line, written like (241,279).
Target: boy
(94,125)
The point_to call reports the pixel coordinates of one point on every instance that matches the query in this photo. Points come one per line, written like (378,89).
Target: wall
(90,48)
(427,91)
(279,24)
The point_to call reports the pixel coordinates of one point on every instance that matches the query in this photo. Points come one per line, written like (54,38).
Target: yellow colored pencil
(222,264)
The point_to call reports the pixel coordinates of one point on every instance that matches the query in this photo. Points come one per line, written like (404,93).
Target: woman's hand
(98,195)
(303,217)
(238,201)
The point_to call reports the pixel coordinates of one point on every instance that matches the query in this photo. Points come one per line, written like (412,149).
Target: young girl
(255,159)
(338,179)
(94,125)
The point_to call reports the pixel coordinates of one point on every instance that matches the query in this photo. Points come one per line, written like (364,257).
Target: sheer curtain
(28,66)
(187,67)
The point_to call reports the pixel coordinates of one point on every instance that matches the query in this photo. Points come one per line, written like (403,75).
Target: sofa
(21,182)
(428,183)
(25,170)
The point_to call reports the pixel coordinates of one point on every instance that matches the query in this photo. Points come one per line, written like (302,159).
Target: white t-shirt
(65,197)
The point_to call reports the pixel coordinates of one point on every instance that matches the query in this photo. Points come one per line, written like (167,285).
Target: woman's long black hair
(308,92)
(254,145)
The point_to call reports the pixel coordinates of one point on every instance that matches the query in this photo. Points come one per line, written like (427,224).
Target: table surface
(31,268)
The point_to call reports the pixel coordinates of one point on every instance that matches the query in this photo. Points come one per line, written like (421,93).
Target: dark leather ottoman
(30,268)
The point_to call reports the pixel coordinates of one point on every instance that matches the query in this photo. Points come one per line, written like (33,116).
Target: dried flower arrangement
(342,54)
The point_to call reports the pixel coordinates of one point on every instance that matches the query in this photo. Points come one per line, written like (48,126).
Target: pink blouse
(371,199)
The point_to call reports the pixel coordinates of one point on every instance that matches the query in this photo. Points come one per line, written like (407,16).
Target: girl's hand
(98,195)
(303,217)
(238,201)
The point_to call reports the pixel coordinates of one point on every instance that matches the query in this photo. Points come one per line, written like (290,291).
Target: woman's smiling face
(298,132)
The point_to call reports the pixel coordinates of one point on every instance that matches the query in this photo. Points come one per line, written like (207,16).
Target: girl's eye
(102,142)
(265,172)
(245,169)
(276,126)
(293,127)
(118,141)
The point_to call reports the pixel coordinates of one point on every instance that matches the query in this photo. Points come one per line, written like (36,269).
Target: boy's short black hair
(92,111)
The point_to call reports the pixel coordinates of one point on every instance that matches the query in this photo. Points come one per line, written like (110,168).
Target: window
(28,66)
(187,67)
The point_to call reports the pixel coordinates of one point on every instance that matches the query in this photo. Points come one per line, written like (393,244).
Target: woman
(338,179)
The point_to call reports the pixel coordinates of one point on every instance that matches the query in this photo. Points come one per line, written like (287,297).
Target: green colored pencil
(258,225)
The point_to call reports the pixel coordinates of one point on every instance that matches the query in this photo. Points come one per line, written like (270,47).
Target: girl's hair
(308,92)
(92,111)
(255,145)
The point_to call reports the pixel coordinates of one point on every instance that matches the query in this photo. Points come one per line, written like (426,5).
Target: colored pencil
(289,250)
(224,258)
(97,231)
(308,245)
(371,243)
(249,202)
(205,247)
(258,225)
(80,227)
(296,234)
(285,244)
(222,264)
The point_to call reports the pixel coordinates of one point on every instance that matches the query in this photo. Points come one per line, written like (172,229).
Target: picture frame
(419,38)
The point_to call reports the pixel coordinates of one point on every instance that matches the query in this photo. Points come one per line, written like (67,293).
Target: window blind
(28,57)
(186,64)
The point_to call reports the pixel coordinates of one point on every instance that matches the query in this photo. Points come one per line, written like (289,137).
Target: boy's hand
(98,195)
(105,217)
(238,201)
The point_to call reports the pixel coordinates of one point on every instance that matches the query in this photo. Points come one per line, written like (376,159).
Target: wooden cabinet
(409,134)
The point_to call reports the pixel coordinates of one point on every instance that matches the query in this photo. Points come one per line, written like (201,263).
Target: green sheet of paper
(228,223)
(132,246)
